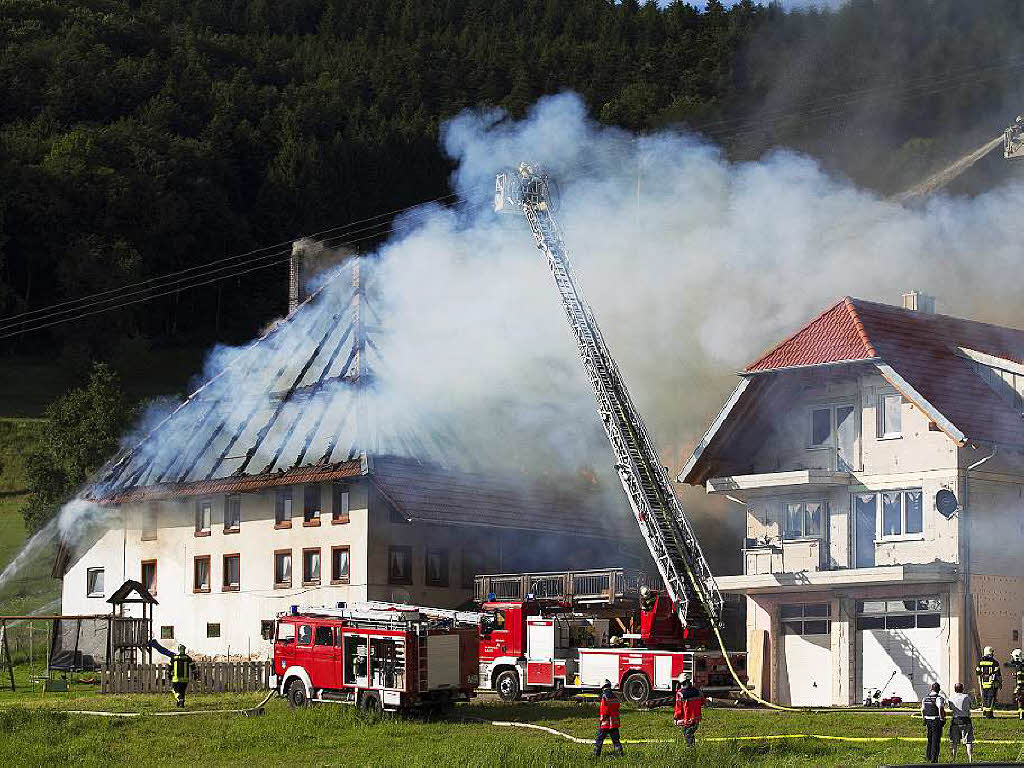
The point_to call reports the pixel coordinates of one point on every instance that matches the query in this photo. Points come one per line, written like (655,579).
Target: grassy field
(35,729)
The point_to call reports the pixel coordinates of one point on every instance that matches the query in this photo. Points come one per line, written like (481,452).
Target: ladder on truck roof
(667,532)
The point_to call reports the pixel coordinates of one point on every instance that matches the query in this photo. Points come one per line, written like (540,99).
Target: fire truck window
(305,634)
(499,619)
(388,661)
(324,636)
(285,633)
(355,660)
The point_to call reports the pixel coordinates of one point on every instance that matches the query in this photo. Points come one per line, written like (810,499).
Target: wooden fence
(209,677)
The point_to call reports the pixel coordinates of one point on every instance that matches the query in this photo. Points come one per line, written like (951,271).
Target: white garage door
(901,647)
(805,669)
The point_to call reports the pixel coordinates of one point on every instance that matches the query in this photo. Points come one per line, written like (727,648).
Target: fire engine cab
(575,630)
(374,656)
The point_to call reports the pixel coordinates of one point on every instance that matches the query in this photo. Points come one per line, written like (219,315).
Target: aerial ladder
(668,534)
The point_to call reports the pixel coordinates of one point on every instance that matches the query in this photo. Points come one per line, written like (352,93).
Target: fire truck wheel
(369,702)
(507,685)
(297,696)
(636,689)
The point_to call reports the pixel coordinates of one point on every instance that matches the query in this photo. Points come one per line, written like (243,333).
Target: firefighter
(181,668)
(608,725)
(689,700)
(647,599)
(990,680)
(1017,663)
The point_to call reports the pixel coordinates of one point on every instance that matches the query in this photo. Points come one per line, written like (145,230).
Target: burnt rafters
(240,429)
(265,429)
(176,460)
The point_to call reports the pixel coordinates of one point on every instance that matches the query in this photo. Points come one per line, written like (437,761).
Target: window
(311,566)
(400,565)
(835,427)
(149,575)
(212,630)
(305,635)
(167,632)
(204,513)
(804,519)
(806,618)
(900,513)
(267,629)
(232,573)
(339,504)
(149,522)
(283,568)
(311,505)
(340,565)
(889,416)
(232,514)
(201,574)
(904,613)
(283,508)
(94,582)
(1005,377)
(286,633)
(821,428)
(324,636)
(470,567)
(437,567)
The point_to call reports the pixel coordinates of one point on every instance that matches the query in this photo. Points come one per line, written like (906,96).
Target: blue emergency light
(529,595)
(295,610)
(491,597)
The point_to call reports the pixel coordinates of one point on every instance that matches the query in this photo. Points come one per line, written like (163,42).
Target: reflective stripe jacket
(988,671)
(181,664)
(689,701)
(609,712)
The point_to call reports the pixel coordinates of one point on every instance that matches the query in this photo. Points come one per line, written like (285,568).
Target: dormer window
(1005,377)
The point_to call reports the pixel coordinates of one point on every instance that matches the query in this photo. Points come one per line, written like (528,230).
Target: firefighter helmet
(645,591)
(181,647)
(988,650)
(606,685)
(1016,654)
(684,678)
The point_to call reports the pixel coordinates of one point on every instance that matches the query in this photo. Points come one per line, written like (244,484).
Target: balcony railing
(604,585)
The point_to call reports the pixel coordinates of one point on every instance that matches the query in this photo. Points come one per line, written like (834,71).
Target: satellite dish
(946,502)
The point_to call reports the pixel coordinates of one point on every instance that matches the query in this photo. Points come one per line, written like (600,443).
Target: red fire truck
(574,630)
(395,659)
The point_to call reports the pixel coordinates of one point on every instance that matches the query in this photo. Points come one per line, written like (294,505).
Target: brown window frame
(320,569)
(279,495)
(209,574)
(151,514)
(142,574)
(291,576)
(446,580)
(308,520)
(224,572)
(339,490)
(199,532)
(396,580)
(227,507)
(346,579)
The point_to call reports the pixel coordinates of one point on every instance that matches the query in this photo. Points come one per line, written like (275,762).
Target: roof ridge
(859,325)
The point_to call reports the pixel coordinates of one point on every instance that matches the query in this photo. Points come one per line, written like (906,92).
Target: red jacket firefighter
(689,701)
(609,714)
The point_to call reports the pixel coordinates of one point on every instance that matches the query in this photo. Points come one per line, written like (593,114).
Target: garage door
(901,646)
(805,669)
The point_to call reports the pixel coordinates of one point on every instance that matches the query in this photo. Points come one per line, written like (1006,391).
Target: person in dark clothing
(181,668)
(933,710)
(689,700)
(608,726)
(990,680)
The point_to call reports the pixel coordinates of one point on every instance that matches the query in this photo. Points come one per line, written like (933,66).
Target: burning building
(878,454)
(290,477)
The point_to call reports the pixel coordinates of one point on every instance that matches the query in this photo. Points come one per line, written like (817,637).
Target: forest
(145,137)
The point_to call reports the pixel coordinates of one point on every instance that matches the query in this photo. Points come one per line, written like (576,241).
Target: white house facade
(877,456)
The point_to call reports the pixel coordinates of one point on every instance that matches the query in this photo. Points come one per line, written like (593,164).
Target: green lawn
(35,731)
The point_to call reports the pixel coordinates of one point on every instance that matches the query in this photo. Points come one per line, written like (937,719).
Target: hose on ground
(743,686)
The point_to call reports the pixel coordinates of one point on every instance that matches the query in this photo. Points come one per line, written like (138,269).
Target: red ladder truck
(571,631)
(396,659)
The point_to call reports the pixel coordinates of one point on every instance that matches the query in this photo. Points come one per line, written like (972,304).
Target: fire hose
(247,712)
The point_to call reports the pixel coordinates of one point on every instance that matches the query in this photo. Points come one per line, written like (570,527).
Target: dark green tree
(83,430)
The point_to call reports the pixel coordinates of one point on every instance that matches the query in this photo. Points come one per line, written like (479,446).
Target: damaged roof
(927,357)
(425,493)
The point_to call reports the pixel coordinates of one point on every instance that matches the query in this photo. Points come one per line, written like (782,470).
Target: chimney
(919,302)
(294,276)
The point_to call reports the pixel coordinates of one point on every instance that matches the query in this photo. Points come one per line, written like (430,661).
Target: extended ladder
(669,536)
